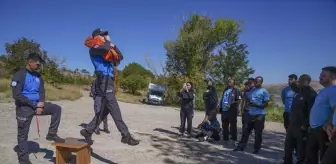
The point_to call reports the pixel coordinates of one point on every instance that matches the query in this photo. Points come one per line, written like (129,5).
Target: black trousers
(329,156)
(244,118)
(110,106)
(296,138)
(186,115)
(316,146)
(256,122)
(97,108)
(229,118)
(286,116)
(24,116)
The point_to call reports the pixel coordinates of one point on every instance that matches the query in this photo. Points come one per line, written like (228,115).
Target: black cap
(99,31)
(35,57)
(208,80)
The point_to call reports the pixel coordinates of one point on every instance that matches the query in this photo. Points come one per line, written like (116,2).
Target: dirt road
(155,126)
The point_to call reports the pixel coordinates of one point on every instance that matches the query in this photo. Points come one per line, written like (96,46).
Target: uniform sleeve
(266,95)
(310,102)
(105,47)
(17,87)
(332,98)
(332,101)
(238,95)
(42,90)
(208,93)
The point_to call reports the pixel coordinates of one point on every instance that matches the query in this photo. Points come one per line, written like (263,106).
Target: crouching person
(29,95)
(209,129)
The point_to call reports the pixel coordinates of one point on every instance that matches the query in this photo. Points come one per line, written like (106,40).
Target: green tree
(191,56)
(133,83)
(231,62)
(136,69)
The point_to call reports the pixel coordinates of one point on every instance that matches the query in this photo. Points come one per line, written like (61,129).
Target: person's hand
(40,104)
(107,38)
(39,110)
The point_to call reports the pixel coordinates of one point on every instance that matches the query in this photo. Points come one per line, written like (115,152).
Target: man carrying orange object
(100,50)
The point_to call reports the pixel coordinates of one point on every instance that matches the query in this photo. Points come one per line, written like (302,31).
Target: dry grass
(63,92)
(129,98)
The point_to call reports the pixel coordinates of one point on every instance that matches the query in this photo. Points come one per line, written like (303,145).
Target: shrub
(133,83)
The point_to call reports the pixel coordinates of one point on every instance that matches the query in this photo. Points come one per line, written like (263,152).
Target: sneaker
(27,161)
(201,139)
(106,131)
(238,148)
(55,138)
(129,140)
(256,152)
(87,136)
(97,131)
(189,135)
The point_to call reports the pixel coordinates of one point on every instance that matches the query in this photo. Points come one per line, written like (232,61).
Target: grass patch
(62,92)
(274,113)
(129,98)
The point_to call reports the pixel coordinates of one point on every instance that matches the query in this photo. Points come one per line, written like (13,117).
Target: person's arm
(17,87)
(187,95)
(102,48)
(238,96)
(283,98)
(310,102)
(332,101)
(266,100)
(42,90)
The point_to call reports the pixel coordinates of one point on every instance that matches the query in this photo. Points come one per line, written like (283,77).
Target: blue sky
(283,36)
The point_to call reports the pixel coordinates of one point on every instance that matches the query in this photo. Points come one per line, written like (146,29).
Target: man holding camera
(104,89)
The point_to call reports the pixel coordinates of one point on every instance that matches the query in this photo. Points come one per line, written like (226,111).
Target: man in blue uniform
(322,120)
(105,90)
(287,96)
(258,101)
(29,95)
(229,109)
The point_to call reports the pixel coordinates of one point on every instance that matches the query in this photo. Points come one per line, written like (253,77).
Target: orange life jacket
(113,55)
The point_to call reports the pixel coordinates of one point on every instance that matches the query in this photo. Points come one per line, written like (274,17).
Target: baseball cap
(99,31)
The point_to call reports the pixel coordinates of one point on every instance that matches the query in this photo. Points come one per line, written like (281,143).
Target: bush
(274,113)
(133,83)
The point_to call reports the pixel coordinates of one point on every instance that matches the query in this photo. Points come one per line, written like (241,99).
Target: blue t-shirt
(102,66)
(288,95)
(225,100)
(323,107)
(258,96)
(31,88)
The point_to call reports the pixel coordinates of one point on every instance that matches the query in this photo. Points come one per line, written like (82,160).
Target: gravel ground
(155,126)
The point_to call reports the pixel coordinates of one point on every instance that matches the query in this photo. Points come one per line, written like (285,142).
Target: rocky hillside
(277,88)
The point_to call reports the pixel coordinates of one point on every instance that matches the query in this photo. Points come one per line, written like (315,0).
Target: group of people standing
(309,117)
(255,100)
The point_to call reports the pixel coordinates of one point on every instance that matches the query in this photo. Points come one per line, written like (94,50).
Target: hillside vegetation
(277,88)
